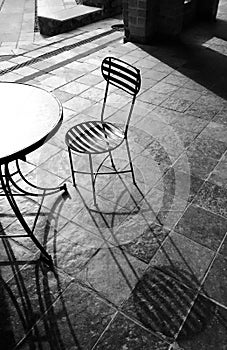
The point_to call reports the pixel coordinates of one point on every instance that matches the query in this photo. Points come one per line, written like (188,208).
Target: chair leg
(130,161)
(92,179)
(111,159)
(71,165)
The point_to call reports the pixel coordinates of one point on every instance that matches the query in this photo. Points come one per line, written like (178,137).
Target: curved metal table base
(7,183)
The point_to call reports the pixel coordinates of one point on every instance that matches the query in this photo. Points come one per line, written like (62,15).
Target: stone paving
(147,270)
(18,26)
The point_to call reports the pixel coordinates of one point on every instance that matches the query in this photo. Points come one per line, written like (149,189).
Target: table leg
(6,181)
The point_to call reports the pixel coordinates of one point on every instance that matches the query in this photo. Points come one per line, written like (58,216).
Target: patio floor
(148,270)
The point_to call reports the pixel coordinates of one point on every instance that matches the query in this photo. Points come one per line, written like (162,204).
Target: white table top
(28,115)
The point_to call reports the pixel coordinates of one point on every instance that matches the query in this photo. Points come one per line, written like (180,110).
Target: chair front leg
(112,161)
(71,165)
(92,179)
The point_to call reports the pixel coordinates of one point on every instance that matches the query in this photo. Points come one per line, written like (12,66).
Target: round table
(29,117)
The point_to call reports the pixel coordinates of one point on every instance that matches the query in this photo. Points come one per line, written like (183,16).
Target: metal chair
(97,137)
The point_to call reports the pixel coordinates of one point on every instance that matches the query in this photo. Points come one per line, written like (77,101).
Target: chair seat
(94,137)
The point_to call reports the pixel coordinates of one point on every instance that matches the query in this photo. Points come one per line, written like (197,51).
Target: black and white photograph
(113,174)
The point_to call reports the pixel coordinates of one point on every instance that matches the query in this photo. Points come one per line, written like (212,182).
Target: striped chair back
(124,76)
(121,74)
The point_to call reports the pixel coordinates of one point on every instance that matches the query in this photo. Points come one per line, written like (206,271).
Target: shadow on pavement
(196,58)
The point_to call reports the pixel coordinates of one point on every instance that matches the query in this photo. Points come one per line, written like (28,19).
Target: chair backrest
(124,76)
(121,74)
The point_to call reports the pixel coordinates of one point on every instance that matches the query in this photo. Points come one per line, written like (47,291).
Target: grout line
(56,52)
(104,330)
(212,262)
(219,160)
(205,208)
(60,64)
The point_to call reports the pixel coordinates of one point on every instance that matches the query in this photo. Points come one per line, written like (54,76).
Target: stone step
(61,21)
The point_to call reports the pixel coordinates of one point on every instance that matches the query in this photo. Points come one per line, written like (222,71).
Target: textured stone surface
(221,116)
(75,320)
(210,333)
(141,239)
(212,197)
(25,298)
(216,131)
(199,166)
(161,301)
(202,226)
(112,273)
(183,254)
(215,285)
(207,147)
(218,176)
(126,334)
(167,207)
(180,184)
(73,247)
(200,320)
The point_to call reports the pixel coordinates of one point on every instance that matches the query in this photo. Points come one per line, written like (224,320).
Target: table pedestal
(11,189)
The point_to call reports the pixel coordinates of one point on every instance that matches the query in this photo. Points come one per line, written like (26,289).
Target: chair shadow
(164,293)
(167,300)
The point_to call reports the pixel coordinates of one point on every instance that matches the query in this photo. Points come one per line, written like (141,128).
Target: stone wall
(190,12)
(207,9)
(139,19)
(110,7)
(170,17)
(148,19)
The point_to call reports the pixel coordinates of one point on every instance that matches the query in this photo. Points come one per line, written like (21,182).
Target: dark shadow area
(203,64)
(163,298)
(23,310)
(220,29)
(27,297)
(165,301)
